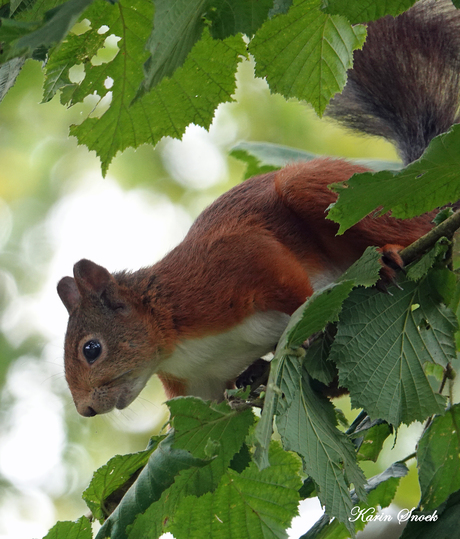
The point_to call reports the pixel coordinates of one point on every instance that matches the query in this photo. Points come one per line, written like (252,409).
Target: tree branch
(420,246)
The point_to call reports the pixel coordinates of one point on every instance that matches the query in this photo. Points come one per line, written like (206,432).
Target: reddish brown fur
(173,387)
(255,249)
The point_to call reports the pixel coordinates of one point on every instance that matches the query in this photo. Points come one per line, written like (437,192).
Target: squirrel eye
(92,350)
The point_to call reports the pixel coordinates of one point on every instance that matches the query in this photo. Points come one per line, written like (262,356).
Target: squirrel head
(109,355)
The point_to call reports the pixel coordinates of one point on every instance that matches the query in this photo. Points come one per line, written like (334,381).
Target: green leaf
(256,504)
(200,427)
(76,50)
(196,421)
(430,182)
(382,344)
(380,489)
(10,31)
(438,459)
(206,79)
(306,53)
(131,23)
(81,529)
(118,127)
(316,360)
(421,267)
(241,460)
(442,523)
(8,74)
(320,309)
(14,5)
(53,29)
(269,153)
(366,10)
(245,16)
(308,489)
(327,454)
(159,473)
(262,157)
(370,437)
(365,271)
(445,282)
(179,24)
(110,477)
(378,164)
(449,288)
(254,168)
(325,304)
(34,10)
(280,6)
(57,72)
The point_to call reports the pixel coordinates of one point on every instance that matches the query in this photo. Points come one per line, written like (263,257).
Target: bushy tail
(405,82)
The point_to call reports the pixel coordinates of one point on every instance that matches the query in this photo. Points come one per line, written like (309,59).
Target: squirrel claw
(382,287)
(391,264)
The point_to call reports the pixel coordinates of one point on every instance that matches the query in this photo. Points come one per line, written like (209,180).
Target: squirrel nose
(88,412)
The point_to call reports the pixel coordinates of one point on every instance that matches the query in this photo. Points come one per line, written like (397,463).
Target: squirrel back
(222,298)
(405,82)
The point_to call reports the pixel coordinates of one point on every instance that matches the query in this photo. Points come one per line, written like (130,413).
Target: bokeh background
(56,208)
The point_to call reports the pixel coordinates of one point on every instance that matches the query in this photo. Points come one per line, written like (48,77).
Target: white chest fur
(209,362)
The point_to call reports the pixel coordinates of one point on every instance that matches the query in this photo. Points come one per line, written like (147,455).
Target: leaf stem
(411,456)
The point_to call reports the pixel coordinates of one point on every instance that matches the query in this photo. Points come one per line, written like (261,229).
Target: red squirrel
(222,298)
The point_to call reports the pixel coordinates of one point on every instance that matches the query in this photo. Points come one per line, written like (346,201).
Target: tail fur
(405,82)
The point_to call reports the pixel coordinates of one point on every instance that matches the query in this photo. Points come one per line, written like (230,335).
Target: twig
(420,246)
(449,374)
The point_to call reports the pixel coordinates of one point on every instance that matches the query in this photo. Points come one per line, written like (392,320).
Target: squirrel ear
(68,292)
(91,276)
